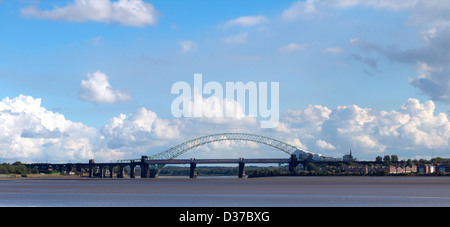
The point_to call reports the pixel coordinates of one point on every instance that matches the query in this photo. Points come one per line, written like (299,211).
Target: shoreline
(37,176)
(5,177)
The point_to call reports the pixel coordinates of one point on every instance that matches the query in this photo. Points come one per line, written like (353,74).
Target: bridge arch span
(180,149)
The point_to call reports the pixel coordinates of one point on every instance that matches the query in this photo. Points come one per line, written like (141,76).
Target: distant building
(402,169)
(443,169)
(305,155)
(349,157)
(426,169)
(391,169)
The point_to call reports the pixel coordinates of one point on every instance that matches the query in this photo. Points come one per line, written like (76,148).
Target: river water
(228,192)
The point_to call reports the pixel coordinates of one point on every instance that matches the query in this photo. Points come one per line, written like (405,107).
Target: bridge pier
(241,169)
(132,170)
(111,171)
(145,170)
(91,167)
(78,168)
(154,173)
(193,170)
(101,172)
(144,167)
(69,168)
(121,172)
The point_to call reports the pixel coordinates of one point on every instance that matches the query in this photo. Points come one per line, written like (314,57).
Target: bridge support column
(132,170)
(241,169)
(91,167)
(121,171)
(154,173)
(144,167)
(111,171)
(145,170)
(193,172)
(101,172)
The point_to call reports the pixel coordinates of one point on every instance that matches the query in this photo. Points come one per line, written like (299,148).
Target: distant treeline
(15,168)
(211,171)
(206,171)
(279,172)
(338,169)
(389,160)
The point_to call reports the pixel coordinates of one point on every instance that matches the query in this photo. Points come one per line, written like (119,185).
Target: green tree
(409,163)
(11,168)
(20,168)
(379,159)
(311,166)
(394,158)
(387,160)
(3,169)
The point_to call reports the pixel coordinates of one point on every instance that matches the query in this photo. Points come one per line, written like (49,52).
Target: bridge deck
(216,161)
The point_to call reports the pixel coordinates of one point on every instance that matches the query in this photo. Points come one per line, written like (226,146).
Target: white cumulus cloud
(324,145)
(305,9)
(188,46)
(142,128)
(413,130)
(246,21)
(126,12)
(96,88)
(29,132)
(292,47)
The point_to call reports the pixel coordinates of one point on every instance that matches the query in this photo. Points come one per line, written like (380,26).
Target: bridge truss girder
(180,149)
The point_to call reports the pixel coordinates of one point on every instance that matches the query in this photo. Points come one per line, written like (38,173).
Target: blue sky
(368,56)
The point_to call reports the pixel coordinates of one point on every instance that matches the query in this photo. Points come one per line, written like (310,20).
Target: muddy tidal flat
(228,192)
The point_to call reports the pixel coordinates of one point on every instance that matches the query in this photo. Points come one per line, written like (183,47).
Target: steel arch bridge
(180,149)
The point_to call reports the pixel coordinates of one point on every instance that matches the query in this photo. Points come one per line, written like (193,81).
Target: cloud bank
(29,132)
